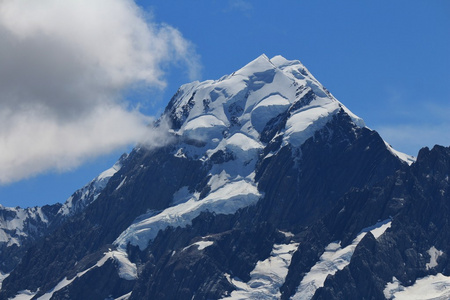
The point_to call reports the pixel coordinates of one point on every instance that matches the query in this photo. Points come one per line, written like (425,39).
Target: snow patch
(124,297)
(392,288)
(409,159)
(24,295)
(287,234)
(4,237)
(62,284)
(334,258)
(242,147)
(181,196)
(239,142)
(304,123)
(200,245)
(204,127)
(126,269)
(180,153)
(434,255)
(108,173)
(267,277)
(219,180)
(281,62)
(2,277)
(433,287)
(267,109)
(121,183)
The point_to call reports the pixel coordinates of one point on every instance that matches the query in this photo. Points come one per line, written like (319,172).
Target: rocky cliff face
(270,188)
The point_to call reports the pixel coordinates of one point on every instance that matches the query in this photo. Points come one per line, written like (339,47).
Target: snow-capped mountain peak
(227,123)
(248,99)
(245,101)
(259,65)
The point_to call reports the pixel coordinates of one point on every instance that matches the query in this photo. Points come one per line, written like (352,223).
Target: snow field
(436,287)
(433,287)
(225,200)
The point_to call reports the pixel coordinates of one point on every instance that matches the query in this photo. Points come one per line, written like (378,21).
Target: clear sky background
(387,61)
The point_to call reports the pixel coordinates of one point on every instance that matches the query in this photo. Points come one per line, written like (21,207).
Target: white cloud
(63,67)
(241,5)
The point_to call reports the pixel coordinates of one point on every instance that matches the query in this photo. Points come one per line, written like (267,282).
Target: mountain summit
(269,189)
(248,99)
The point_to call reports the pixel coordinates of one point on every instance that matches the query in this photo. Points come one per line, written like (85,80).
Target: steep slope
(21,227)
(90,192)
(257,157)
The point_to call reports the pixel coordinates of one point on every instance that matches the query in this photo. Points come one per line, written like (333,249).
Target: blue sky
(387,61)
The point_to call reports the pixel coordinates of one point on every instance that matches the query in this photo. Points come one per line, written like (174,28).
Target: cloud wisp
(410,138)
(63,68)
(411,127)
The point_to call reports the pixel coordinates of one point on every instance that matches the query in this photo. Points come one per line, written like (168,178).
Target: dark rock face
(421,224)
(339,157)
